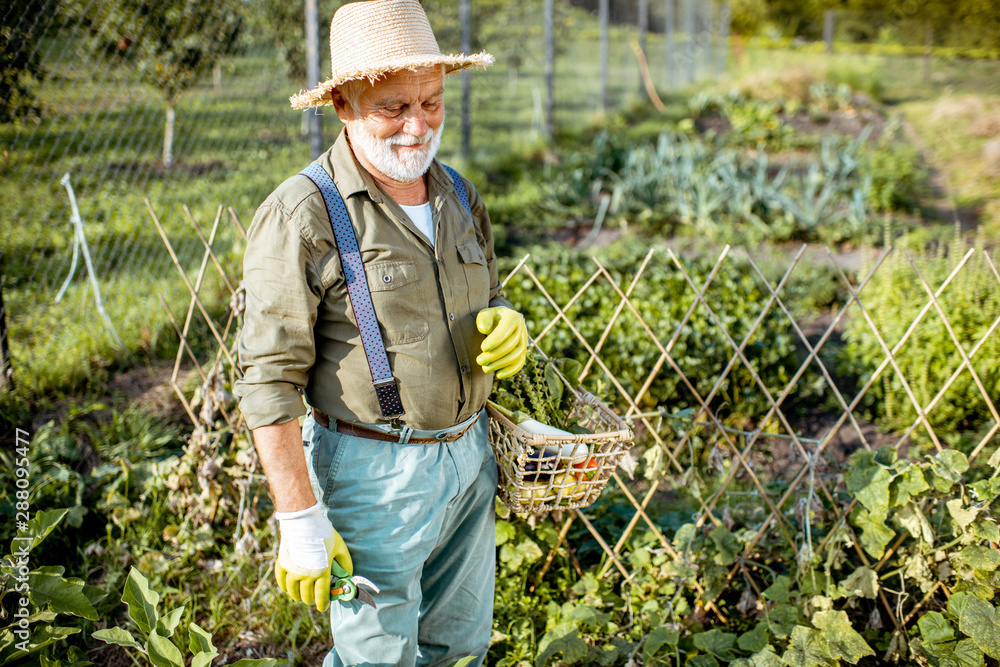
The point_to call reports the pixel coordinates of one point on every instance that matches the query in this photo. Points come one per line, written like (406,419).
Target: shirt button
(440,261)
(451,316)
(387,279)
(465,369)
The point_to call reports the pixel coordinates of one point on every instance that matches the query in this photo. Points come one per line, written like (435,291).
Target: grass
(233,147)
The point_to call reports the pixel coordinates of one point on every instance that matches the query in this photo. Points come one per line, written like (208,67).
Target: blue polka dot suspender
(357,285)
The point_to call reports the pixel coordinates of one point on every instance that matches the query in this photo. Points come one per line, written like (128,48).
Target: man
(404,500)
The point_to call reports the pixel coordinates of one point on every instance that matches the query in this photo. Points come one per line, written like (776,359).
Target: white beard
(405,167)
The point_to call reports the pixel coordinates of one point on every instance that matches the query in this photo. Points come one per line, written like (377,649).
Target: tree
(171,44)
(22,26)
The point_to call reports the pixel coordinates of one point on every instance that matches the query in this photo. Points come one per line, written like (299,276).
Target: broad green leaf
(782,618)
(203,659)
(968,654)
(40,638)
(255,662)
(684,537)
(766,658)
(953,460)
(755,640)
(963,653)
(910,482)
(982,591)
(728,545)
(963,516)
(163,652)
(167,623)
(912,519)
(871,486)
(977,557)
(985,490)
(524,553)
(935,628)
(957,603)
(718,643)
(464,661)
(915,567)
(94,594)
(657,639)
(778,591)
(505,531)
(60,595)
(842,640)
(119,636)
(40,526)
(985,529)
(701,661)
(199,639)
(141,601)
(502,511)
(863,582)
(807,649)
(586,616)
(980,621)
(995,459)
(875,535)
(564,639)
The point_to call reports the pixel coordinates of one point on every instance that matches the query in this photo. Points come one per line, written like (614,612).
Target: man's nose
(416,124)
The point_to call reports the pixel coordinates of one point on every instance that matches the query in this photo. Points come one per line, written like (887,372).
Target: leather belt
(347,428)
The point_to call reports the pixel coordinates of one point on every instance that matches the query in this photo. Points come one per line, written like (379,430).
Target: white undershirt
(421,217)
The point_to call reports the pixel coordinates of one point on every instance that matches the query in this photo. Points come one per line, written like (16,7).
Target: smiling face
(395,125)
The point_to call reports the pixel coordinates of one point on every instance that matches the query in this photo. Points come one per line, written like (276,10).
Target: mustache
(409,139)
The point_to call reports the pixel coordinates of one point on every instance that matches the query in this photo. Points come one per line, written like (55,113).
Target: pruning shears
(347,587)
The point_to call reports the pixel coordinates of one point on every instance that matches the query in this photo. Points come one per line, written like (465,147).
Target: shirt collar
(349,176)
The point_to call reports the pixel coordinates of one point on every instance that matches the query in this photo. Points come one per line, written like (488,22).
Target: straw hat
(377,37)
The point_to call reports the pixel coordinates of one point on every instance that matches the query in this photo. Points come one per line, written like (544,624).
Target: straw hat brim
(322,95)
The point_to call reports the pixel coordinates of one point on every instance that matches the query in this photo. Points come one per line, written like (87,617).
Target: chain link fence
(186,104)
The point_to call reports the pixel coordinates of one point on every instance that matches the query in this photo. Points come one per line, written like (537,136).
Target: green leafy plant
(159,640)
(48,593)
(930,356)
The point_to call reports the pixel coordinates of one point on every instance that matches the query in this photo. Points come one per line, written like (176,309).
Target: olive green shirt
(299,329)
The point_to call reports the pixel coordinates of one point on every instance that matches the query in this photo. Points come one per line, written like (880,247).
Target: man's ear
(340,105)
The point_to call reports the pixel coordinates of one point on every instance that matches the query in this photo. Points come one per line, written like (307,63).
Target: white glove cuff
(308,525)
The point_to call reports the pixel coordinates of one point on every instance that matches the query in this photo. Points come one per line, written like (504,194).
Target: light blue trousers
(419,522)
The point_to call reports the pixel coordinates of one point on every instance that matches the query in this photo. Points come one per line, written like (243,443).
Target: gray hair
(353,90)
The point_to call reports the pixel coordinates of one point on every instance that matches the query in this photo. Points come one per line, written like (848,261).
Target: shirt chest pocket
(477,274)
(399,299)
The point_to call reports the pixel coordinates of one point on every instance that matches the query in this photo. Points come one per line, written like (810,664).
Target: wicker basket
(540,473)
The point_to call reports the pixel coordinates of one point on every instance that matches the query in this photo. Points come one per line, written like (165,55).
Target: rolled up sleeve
(277,347)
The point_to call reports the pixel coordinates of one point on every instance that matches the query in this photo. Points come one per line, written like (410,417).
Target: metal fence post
(723,52)
(6,370)
(689,29)
(312,73)
(643,26)
(829,22)
(550,67)
(668,31)
(604,12)
(465,14)
(928,48)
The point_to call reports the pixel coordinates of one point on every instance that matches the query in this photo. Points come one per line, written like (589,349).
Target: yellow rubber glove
(506,344)
(309,545)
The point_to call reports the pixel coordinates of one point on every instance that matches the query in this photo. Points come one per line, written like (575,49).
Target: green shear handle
(346,587)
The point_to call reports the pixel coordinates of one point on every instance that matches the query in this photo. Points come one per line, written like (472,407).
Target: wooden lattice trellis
(803,481)
(810,450)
